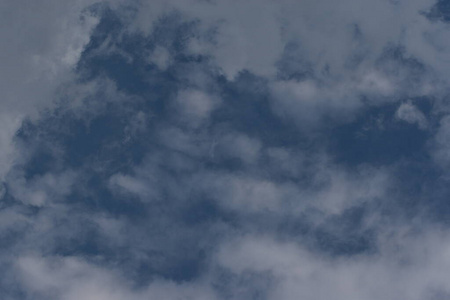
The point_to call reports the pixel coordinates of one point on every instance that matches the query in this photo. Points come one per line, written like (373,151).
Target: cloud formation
(224,150)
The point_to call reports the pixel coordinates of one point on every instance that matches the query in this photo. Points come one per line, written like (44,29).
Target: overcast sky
(224,149)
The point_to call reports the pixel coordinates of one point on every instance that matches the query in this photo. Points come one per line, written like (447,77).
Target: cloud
(407,271)
(344,55)
(195,106)
(441,142)
(130,184)
(160,57)
(41,44)
(41,190)
(239,146)
(409,113)
(69,278)
(187,150)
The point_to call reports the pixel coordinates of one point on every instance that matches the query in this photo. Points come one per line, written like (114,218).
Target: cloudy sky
(225,149)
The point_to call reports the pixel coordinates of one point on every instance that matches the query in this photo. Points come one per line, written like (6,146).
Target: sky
(224,149)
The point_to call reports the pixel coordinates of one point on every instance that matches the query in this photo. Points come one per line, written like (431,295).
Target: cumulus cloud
(195,106)
(407,272)
(160,57)
(41,190)
(41,44)
(238,146)
(409,113)
(70,278)
(187,150)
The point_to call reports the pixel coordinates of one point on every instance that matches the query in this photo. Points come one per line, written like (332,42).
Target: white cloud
(340,190)
(41,190)
(160,56)
(341,47)
(247,194)
(41,43)
(252,34)
(71,278)
(412,268)
(240,146)
(248,36)
(329,189)
(195,106)
(307,104)
(133,185)
(182,140)
(281,181)
(409,113)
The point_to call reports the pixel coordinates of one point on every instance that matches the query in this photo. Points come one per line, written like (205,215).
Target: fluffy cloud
(407,271)
(409,113)
(70,278)
(195,106)
(187,150)
(41,43)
